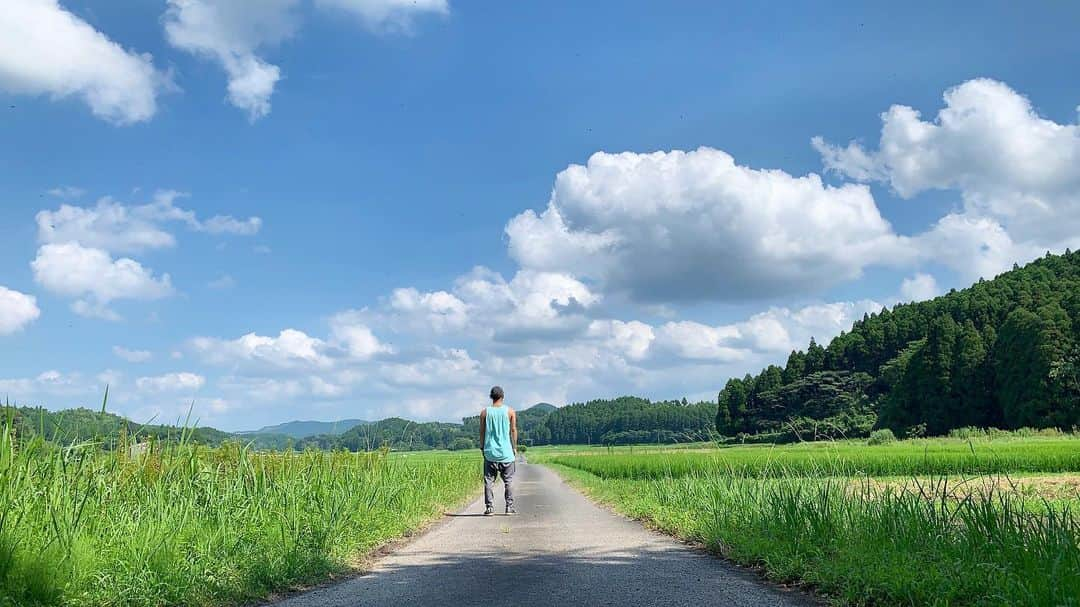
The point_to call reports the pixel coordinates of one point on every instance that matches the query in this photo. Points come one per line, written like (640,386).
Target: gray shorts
(496,469)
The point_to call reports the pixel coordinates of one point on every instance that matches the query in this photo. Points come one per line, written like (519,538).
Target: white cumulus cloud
(290,349)
(77,271)
(447,368)
(1017,173)
(532,305)
(171,382)
(771,333)
(121,228)
(47,383)
(439,310)
(629,338)
(47,50)
(919,287)
(350,331)
(697,341)
(17,310)
(232,32)
(671,226)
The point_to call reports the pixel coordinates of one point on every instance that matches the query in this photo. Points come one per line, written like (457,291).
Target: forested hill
(1003,353)
(304,429)
(622,420)
(80,425)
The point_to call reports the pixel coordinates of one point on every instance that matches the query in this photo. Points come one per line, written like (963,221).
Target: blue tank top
(497,446)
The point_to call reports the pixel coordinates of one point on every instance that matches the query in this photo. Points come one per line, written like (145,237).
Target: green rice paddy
(924,522)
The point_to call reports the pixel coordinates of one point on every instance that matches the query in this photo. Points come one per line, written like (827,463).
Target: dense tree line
(627,419)
(622,420)
(393,433)
(1003,353)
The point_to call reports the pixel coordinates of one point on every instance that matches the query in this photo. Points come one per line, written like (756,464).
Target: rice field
(925,522)
(187,525)
(841,458)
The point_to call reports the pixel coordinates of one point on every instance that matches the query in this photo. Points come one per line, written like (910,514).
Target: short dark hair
(496,394)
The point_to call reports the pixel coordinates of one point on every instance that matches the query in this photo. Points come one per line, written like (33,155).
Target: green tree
(723,413)
(795,368)
(815,357)
(935,380)
(733,398)
(972,380)
(1016,368)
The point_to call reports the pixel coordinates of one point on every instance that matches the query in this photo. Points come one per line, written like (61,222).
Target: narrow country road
(560,549)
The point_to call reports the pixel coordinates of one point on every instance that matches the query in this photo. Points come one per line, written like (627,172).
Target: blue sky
(360,208)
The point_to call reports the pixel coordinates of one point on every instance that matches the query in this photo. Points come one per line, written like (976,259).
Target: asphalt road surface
(560,549)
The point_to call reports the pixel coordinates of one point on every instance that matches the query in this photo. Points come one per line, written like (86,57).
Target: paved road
(560,549)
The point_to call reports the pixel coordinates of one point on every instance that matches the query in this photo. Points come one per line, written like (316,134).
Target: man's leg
(491,470)
(508,471)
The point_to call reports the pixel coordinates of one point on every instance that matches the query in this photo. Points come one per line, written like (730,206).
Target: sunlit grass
(906,523)
(841,458)
(188,525)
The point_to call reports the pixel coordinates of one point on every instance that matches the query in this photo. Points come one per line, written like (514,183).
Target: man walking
(498,435)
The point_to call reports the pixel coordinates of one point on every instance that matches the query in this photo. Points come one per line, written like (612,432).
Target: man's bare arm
(483,428)
(513,429)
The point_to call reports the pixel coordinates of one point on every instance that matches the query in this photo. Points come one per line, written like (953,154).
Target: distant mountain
(540,408)
(307,428)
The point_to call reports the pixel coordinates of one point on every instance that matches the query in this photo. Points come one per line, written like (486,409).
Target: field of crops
(183,525)
(924,522)
(841,458)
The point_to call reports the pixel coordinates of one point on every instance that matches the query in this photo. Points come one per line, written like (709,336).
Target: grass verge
(894,548)
(185,525)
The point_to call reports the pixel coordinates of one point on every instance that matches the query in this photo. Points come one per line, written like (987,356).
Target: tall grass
(920,457)
(188,525)
(872,547)
(815,514)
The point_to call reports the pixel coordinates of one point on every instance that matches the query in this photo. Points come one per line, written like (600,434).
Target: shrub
(968,432)
(916,431)
(881,437)
(461,444)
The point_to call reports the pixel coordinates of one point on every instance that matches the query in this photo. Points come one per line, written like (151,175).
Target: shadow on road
(583,577)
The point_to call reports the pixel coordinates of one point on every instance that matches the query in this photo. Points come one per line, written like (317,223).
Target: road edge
(805,592)
(362,564)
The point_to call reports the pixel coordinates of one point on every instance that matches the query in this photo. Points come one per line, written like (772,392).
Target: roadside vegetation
(976,521)
(173,523)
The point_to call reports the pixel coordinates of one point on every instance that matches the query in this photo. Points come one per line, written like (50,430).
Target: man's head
(496,394)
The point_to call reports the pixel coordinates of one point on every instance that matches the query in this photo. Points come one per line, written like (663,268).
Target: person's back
(498,442)
(497,446)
